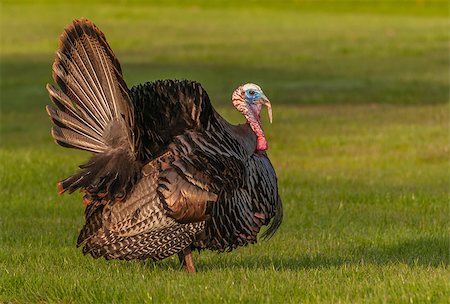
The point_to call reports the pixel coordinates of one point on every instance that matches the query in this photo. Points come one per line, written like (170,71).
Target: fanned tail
(93,113)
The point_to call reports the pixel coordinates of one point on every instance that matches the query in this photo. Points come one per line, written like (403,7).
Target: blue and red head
(249,99)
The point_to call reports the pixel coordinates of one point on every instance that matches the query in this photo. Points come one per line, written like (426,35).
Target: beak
(266,102)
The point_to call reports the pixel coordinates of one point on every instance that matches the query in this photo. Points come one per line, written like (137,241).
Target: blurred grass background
(360,142)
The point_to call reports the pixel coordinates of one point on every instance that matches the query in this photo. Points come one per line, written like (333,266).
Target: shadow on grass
(431,252)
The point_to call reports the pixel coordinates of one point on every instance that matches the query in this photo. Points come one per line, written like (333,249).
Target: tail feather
(72,139)
(95,66)
(93,112)
(93,89)
(64,120)
(64,104)
(77,81)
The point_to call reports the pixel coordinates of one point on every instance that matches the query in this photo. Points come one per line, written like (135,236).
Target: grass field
(360,142)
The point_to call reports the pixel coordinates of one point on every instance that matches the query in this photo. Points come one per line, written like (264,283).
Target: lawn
(360,142)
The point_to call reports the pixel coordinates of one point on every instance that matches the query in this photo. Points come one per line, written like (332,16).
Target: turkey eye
(252,92)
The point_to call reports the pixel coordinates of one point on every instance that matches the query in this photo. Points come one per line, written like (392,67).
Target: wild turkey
(168,174)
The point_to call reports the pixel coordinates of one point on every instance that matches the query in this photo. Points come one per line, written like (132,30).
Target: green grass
(360,143)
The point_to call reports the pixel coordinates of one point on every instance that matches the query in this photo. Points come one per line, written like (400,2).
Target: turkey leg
(187,260)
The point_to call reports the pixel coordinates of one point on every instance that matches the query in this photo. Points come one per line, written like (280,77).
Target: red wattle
(261,144)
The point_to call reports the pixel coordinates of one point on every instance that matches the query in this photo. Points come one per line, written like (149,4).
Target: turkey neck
(254,121)
(251,113)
